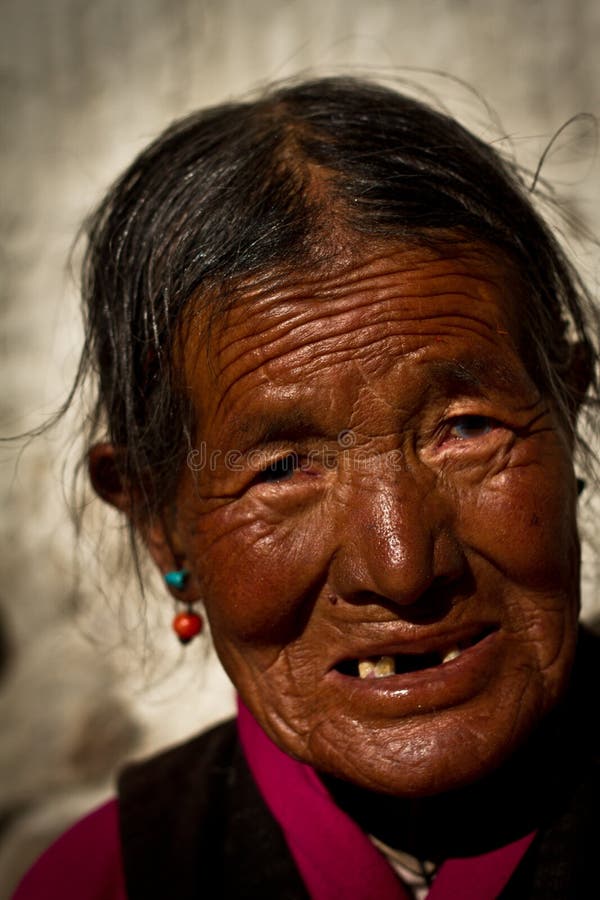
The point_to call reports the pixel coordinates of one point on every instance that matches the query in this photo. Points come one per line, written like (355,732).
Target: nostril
(397,562)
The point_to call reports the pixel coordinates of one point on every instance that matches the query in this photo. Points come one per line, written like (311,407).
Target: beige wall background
(90,675)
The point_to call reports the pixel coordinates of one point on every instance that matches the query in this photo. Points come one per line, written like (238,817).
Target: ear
(106,474)
(581,373)
(158,533)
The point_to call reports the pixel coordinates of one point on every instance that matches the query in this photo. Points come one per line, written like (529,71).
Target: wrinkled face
(381,517)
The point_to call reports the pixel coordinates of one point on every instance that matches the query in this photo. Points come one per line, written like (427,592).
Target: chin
(439,753)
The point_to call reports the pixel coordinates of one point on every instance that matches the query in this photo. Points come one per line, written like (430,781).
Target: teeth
(451,654)
(386,665)
(369,668)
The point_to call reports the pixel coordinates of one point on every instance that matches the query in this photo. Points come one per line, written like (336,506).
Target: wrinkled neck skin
(493,811)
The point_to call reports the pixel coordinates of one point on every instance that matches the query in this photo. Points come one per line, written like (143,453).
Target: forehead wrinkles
(378,307)
(273,311)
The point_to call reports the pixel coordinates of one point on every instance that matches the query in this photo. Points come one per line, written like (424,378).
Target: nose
(396,541)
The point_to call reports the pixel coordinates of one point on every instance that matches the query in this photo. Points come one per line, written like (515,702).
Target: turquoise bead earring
(177,578)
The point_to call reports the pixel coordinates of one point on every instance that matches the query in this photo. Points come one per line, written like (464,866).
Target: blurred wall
(88,675)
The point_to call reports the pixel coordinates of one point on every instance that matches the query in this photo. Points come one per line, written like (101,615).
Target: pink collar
(335,858)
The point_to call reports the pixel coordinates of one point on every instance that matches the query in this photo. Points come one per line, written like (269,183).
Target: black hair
(246,188)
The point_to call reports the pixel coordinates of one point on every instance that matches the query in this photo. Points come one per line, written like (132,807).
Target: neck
(461,822)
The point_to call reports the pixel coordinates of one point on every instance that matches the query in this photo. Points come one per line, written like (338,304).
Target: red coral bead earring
(187,625)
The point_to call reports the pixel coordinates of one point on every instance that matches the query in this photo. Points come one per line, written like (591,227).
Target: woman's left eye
(468,427)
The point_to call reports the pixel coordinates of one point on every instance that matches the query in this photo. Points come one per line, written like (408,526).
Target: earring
(177,578)
(188,624)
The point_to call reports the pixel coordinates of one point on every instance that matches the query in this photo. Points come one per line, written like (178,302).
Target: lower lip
(427,690)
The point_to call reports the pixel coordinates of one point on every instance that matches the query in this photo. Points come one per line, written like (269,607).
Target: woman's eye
(279,469)
(469,427)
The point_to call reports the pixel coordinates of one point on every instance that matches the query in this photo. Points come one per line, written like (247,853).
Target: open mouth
(401,663)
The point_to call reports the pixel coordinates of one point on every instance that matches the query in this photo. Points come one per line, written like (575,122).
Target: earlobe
(160,544)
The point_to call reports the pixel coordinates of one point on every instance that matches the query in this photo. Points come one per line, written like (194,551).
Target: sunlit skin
(385,479)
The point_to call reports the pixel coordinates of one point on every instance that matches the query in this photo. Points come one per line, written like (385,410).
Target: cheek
(521,532)
(262,571)
(524,522)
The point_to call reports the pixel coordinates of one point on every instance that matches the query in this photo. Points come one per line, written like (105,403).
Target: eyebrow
(279,426)
(472,375)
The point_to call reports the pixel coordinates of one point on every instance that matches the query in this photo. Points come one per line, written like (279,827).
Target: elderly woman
(340,363)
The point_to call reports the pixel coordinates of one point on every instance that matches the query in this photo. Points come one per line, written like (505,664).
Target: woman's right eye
(279,469)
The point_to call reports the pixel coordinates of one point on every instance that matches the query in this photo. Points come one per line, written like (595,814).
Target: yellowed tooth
(451,654)
(385,665)
(368,668)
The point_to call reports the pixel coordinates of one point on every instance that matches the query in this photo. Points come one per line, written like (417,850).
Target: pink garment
(479,877)
(333,855)
(335,858)
(83,864)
